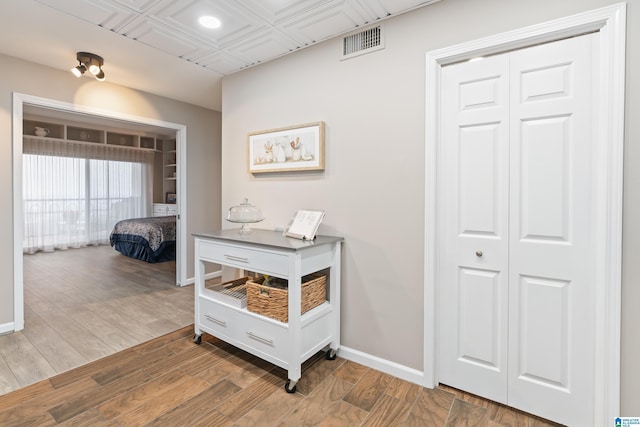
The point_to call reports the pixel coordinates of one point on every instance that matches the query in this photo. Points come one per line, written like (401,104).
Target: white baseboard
(386,366)
(6,328)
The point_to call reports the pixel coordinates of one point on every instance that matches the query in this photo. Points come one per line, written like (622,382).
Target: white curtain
(75,193)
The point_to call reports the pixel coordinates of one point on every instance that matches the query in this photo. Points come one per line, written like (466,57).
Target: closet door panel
(474,236)
(551,250)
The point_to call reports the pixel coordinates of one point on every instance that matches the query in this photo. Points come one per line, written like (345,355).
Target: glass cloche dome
(244,213)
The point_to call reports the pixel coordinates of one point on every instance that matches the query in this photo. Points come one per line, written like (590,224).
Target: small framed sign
(294,148)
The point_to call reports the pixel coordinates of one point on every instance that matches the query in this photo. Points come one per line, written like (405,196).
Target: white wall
(203,147)
(373,186)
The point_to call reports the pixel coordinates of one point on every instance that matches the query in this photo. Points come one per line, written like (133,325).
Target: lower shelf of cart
(264,337)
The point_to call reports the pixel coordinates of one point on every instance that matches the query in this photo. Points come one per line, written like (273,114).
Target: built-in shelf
(85,134)
(43,129)
(148,142)
(169,160)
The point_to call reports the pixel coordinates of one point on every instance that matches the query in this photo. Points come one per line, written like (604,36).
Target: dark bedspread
(147,239)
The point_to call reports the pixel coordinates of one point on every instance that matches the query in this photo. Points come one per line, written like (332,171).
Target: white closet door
(516,194)
(474,213)
(553,232)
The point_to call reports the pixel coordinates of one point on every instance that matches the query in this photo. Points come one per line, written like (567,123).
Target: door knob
(478,254)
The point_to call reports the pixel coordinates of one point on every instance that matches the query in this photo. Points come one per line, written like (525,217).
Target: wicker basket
(273,301)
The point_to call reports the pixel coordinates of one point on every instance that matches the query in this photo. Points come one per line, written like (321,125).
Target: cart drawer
(221,320)
(246,258)
(263,336)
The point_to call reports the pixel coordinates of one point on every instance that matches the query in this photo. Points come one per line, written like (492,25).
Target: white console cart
(286,345)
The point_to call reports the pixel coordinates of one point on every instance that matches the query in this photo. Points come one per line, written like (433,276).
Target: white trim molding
(610,22)
(19,100)
(7,328)
(18,224)
(382,365)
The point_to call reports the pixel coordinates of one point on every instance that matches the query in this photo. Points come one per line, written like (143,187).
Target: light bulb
(79,70)
(94,69)
(209,21)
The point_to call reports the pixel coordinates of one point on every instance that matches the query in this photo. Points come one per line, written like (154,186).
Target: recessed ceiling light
(209,21)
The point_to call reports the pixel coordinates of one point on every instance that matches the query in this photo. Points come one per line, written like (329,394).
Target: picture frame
(287,149)
(170,198)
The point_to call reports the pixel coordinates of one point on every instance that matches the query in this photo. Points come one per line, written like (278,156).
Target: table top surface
(267,238)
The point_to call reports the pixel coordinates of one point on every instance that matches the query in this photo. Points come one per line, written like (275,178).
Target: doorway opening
(22,102)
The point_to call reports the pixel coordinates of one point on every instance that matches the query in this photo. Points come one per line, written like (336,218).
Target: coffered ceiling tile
(237,22)
(276,11)
(197,53)
(139,6)
(335,17)
(262,47)
(383,8)
(222,62)
(103,13)
(157,35)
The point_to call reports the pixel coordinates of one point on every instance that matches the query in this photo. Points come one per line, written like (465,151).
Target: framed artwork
(294,148)
(171,198)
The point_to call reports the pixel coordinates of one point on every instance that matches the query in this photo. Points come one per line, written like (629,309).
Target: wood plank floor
(98,351)
(170,381)
(84,304)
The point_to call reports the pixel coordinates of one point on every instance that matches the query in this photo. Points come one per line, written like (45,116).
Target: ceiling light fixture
(209,21)
(91,62)
(79,70)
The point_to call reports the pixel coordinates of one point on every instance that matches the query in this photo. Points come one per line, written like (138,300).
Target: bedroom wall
(373,186)
(203,147)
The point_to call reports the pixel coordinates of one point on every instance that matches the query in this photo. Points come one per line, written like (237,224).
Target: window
(73,199)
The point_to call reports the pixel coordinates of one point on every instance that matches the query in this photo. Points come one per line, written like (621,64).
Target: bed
(147,239)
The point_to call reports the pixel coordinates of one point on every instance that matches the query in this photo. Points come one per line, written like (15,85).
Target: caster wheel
(197,339)
(331,354)
(292,389)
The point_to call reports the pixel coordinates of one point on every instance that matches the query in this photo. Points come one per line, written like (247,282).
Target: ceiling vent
(363,41)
